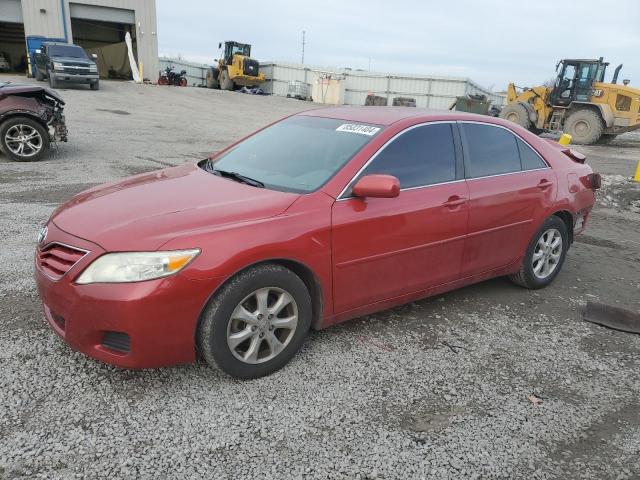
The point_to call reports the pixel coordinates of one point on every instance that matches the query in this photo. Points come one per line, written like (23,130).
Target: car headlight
(93,68)
(58,65)
(136,266)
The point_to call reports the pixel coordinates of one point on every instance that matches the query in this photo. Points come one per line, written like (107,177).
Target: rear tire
(10,132)
(240,340)
(516,113)
(39,76)
(585,127)
(182,82)
(225,81)
(543,259)
(162,80)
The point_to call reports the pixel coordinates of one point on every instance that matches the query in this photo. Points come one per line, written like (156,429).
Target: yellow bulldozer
(579,103)
(235,68)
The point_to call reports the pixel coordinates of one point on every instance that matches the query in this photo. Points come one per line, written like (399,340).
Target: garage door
(103,14)
(10,11)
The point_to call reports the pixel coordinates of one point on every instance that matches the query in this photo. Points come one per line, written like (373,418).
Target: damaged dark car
(31,119)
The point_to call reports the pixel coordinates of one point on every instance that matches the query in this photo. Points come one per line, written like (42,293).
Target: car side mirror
(38,50)
(377,186)
(94,55)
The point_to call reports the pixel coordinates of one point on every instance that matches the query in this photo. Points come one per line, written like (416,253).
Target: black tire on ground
(606,138)
(585,126)
(94,86)
(225,81)
(211,336)
(53,83)
(39,76)
(13,121)
(526,277)
(516,113)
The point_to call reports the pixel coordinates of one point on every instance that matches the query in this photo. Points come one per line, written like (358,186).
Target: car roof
(389,115)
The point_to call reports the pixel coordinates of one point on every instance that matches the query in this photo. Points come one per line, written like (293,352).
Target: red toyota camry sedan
(318,218)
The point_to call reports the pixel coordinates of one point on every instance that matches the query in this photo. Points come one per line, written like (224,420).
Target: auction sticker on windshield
(356,128)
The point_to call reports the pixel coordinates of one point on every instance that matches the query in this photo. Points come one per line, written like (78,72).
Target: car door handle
(454,201)
(544,184)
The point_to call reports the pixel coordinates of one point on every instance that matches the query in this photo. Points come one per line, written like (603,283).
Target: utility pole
(303,43)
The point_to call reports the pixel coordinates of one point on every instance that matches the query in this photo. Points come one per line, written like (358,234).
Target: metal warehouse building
(99,26)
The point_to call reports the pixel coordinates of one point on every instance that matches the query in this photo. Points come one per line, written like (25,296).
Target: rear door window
(530,160)
(489,150)
(421,156)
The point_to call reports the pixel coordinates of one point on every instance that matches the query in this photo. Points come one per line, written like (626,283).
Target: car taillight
(595,181)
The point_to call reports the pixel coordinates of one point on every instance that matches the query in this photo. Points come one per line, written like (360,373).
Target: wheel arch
(304,272)
(567,217)
(22,113)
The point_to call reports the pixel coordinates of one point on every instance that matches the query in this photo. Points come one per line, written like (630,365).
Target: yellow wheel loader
(235,68)
(579,103)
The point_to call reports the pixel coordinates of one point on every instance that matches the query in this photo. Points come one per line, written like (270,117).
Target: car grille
(56,259)
(75,69)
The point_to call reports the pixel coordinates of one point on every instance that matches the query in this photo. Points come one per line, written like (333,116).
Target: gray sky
(492,42)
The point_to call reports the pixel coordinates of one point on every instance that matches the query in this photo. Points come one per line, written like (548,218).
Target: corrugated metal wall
(196,72)
(429,92)
(44,18)
(46,24)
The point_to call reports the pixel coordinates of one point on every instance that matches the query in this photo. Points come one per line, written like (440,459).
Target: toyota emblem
(43,234)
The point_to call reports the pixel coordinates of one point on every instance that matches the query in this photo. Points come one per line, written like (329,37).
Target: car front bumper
(153,322)
(75,78)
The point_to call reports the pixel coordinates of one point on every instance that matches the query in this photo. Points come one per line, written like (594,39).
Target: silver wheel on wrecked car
(23,139)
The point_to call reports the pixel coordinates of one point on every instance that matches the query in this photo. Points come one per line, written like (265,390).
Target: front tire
(53,83)
(23,139)
(545,255)
(585,127)
(212,78)
(256,323)
(225,81)
(516,113)
(94,86)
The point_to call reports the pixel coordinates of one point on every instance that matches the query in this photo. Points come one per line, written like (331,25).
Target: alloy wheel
(23,140)
(547,253)
(262,325)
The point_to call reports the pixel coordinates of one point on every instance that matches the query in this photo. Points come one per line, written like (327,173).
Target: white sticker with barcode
(357,128)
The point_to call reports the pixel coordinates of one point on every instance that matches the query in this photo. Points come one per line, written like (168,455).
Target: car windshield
(66,51)
(299,154)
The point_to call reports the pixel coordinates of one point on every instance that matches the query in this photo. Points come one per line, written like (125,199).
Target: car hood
(18,88)
(84,61)
(146,211)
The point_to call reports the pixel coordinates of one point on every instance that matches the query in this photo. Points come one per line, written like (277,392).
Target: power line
(303,44)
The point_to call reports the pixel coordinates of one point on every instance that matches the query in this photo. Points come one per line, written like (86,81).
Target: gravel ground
(490,381)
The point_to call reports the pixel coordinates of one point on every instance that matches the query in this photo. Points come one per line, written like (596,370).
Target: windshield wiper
(237,177)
